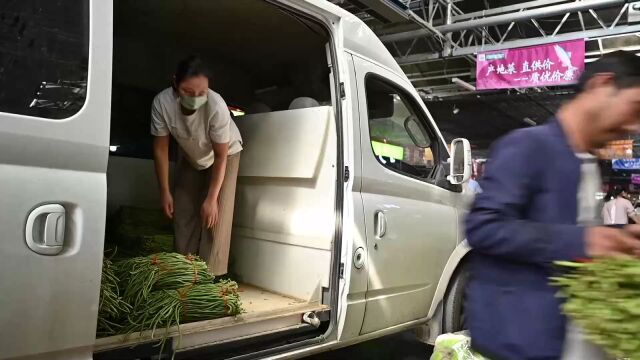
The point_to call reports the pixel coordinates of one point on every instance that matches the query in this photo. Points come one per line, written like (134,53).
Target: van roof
(358,38)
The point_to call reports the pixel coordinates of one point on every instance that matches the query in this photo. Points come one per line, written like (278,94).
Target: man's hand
(167,204)
(209,212)
(604,241)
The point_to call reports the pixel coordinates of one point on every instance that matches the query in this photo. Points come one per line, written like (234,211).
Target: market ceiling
(435,40)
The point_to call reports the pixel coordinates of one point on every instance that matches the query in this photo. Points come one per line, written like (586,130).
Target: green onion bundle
(166,308)
(603,298)
(111,309)
(163,271)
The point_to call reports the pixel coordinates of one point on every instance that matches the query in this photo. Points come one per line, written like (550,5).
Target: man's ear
(600,80)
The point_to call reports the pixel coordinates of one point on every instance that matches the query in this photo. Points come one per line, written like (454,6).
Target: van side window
(399,137)
(44,51)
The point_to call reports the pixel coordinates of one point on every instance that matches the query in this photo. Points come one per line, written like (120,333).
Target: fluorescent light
(463,84)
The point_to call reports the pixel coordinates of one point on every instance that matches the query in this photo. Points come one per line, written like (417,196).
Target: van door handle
(380,224)
(44,231)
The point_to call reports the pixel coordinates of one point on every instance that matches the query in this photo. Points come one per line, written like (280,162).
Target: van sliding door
(410,230)
(55,84)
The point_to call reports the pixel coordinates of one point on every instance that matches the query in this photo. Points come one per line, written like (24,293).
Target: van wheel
(454,315)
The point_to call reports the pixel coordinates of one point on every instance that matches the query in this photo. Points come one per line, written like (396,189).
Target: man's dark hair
(189,67)
(617,191)
(625,67)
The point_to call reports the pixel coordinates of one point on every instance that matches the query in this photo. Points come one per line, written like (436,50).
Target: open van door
(55,85)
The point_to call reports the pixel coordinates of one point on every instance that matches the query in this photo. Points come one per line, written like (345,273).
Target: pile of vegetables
(139,232)
(603,298)
(112,310)
(161,290)
(165,308)
(163,271)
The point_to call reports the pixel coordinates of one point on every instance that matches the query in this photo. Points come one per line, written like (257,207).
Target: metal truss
(439,30)
(467,42)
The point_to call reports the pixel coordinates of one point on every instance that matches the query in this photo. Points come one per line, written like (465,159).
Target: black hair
(609,196)
(617,191)
(625,67)
(189,67)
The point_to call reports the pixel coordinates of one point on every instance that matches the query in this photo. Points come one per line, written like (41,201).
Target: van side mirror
(460,162)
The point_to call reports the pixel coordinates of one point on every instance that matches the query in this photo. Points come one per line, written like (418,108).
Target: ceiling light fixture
(463,84)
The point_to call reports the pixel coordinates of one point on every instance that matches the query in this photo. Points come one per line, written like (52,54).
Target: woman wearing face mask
(202,202)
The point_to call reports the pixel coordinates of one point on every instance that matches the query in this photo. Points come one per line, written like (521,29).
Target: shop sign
(625,164)
(635,179)
(543,65)
(619,149)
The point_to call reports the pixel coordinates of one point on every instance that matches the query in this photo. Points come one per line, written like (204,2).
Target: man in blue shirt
(531,213)
(474,186)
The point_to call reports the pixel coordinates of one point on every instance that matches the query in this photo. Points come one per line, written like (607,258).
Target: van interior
(271,67)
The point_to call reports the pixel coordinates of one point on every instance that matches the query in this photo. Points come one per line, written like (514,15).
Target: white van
(347,223)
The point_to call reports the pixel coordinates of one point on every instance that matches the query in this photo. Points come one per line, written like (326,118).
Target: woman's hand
(167,204)
(209,212)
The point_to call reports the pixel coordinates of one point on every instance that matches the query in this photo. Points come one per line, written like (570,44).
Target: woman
(606,213)
(207,168)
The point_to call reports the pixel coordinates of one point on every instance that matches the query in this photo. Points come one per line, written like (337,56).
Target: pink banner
(543,65)
(635,179)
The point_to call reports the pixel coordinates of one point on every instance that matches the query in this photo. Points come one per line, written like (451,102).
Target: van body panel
(49,303)
(65,161)
(404,265)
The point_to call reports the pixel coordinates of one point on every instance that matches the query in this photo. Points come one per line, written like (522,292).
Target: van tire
(453,319)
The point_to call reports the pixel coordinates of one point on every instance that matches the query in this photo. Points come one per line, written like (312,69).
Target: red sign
(543,65)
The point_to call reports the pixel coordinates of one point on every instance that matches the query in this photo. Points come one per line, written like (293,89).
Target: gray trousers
(191,188)
(577,347)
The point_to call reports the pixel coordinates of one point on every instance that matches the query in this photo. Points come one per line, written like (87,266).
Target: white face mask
(193,102)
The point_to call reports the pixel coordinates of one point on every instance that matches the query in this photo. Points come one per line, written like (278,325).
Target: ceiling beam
(510,8)
(389,10)
(547,11)
(507,18)
(589,35)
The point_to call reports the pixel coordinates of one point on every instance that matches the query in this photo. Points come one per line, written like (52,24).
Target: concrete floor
(403,346)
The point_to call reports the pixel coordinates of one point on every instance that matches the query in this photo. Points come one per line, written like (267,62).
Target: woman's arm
(161,161)
(218,170)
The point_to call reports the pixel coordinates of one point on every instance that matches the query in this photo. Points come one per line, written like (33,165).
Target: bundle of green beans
(162,271)
(166,308)
(140,232)
(603,298)
(112,310)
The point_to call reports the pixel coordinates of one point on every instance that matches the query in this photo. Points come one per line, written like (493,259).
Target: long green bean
(111,309)
(603,298)
(163,271)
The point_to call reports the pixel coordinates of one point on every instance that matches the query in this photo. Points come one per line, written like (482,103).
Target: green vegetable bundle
(163,271)
(111,309)
(603,298)
(140,232)
(166,308)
